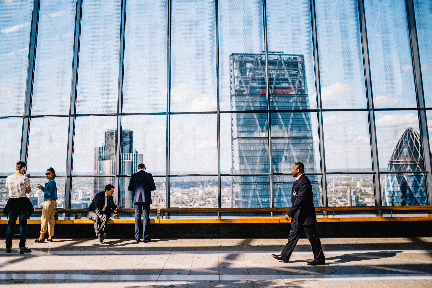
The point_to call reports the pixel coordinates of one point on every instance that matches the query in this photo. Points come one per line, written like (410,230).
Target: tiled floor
(389,262)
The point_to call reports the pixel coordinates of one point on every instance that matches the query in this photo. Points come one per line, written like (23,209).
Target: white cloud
(397,120)
(425,67)
(383,100)
(334,120)
(430,78)
(56,14)
(334,91)
(407,68)
(362,140)
(15,28)
(190,99)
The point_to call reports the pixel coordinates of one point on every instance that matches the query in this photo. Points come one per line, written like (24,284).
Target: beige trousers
(47,218)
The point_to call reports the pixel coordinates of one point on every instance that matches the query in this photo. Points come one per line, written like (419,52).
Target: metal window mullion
(419,95)
(370,106)
(319,102)
(72,109)
(120,101)
(168,107)
(268,107)
(30,80)
(218,128)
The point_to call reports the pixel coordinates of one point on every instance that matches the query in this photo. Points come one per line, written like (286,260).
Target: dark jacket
(99,202)
(141,184)
(18,205)
(302,209)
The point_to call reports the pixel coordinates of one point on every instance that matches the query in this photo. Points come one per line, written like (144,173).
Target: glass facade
(219,99)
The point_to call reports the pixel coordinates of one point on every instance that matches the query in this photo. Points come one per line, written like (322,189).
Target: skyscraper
(291,132)
(104,163)
(406,189)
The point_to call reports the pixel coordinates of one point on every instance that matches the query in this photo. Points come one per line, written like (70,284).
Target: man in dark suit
(302,215)
(141,184)
(100,210)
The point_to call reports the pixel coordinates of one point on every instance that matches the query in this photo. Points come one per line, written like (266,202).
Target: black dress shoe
(137,240)
(147,240)
(25,250)
(316,262)
(279,257)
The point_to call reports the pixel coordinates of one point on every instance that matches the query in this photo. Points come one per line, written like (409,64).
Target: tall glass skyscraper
(407,189)
(292,139)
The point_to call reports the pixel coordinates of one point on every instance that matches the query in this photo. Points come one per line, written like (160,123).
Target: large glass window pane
(85,188)
(350,190)
(158,195)
(193,56)
(193,144)
(95,145)
(15,25)
(390,54)
(241,30)
(48,140)
(400,150)
(244,143)
(340,54)
(194,192)
(99,57)
(145,58)
(53,73)
(290,33)
(294,139)
(246,192)
(282,189)
(403,189)
(347,141)
(423,12)
(144,136)
(10,144)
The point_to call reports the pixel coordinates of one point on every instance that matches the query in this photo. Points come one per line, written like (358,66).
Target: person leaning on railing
(18,206)
(49,206)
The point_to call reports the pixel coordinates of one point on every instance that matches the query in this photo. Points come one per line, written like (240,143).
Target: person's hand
(100,219)
(119,208)
(40,186)
(288,218)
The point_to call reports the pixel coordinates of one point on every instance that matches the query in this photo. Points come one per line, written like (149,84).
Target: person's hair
(109,187)
(52,171)
(20,165)
(141,166)
(300,166)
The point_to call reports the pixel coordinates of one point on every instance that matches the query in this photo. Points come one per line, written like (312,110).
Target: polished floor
(378,262)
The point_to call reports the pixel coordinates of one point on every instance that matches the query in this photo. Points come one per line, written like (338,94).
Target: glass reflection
(10,144)
(85,188)
(194,192)
(282,189)
(403,189)
(350,190)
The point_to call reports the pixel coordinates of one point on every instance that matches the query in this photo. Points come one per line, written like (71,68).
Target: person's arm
(152,184)
(49,189)
(131,186)
(27,183)
(301,197)
(97,204)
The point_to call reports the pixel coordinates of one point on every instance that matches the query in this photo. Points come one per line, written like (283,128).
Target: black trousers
(294,237)
(11,225)
(144,208)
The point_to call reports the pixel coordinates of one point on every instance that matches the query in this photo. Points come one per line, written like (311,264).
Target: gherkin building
(406,189)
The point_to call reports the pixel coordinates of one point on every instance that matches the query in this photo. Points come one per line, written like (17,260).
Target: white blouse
(17,185)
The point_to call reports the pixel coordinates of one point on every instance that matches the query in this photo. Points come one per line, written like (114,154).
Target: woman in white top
(18,206)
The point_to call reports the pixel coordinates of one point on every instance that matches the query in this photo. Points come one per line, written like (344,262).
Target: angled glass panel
(350,190)
(295,139)
(53,72)
(340,54)
(292,75)
(143,141)
(194,192)
(347,141)
(244,143)
(404,189)
(429,125)
(282,189)
(15,26)
(95,145)
(158,195)
(248,192)
(10,144)
(145,57)
(423,12)
(97,91)
(47,148)
(390,54)
(37,196)
(193,56)
(193,144)
(85,188)
(241,32)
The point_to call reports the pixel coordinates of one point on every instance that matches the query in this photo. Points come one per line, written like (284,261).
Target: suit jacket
(141,184)
(99,202)
(302,209)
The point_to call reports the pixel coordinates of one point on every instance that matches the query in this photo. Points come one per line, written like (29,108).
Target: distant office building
(104,163)
(291,132)
(406,189)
